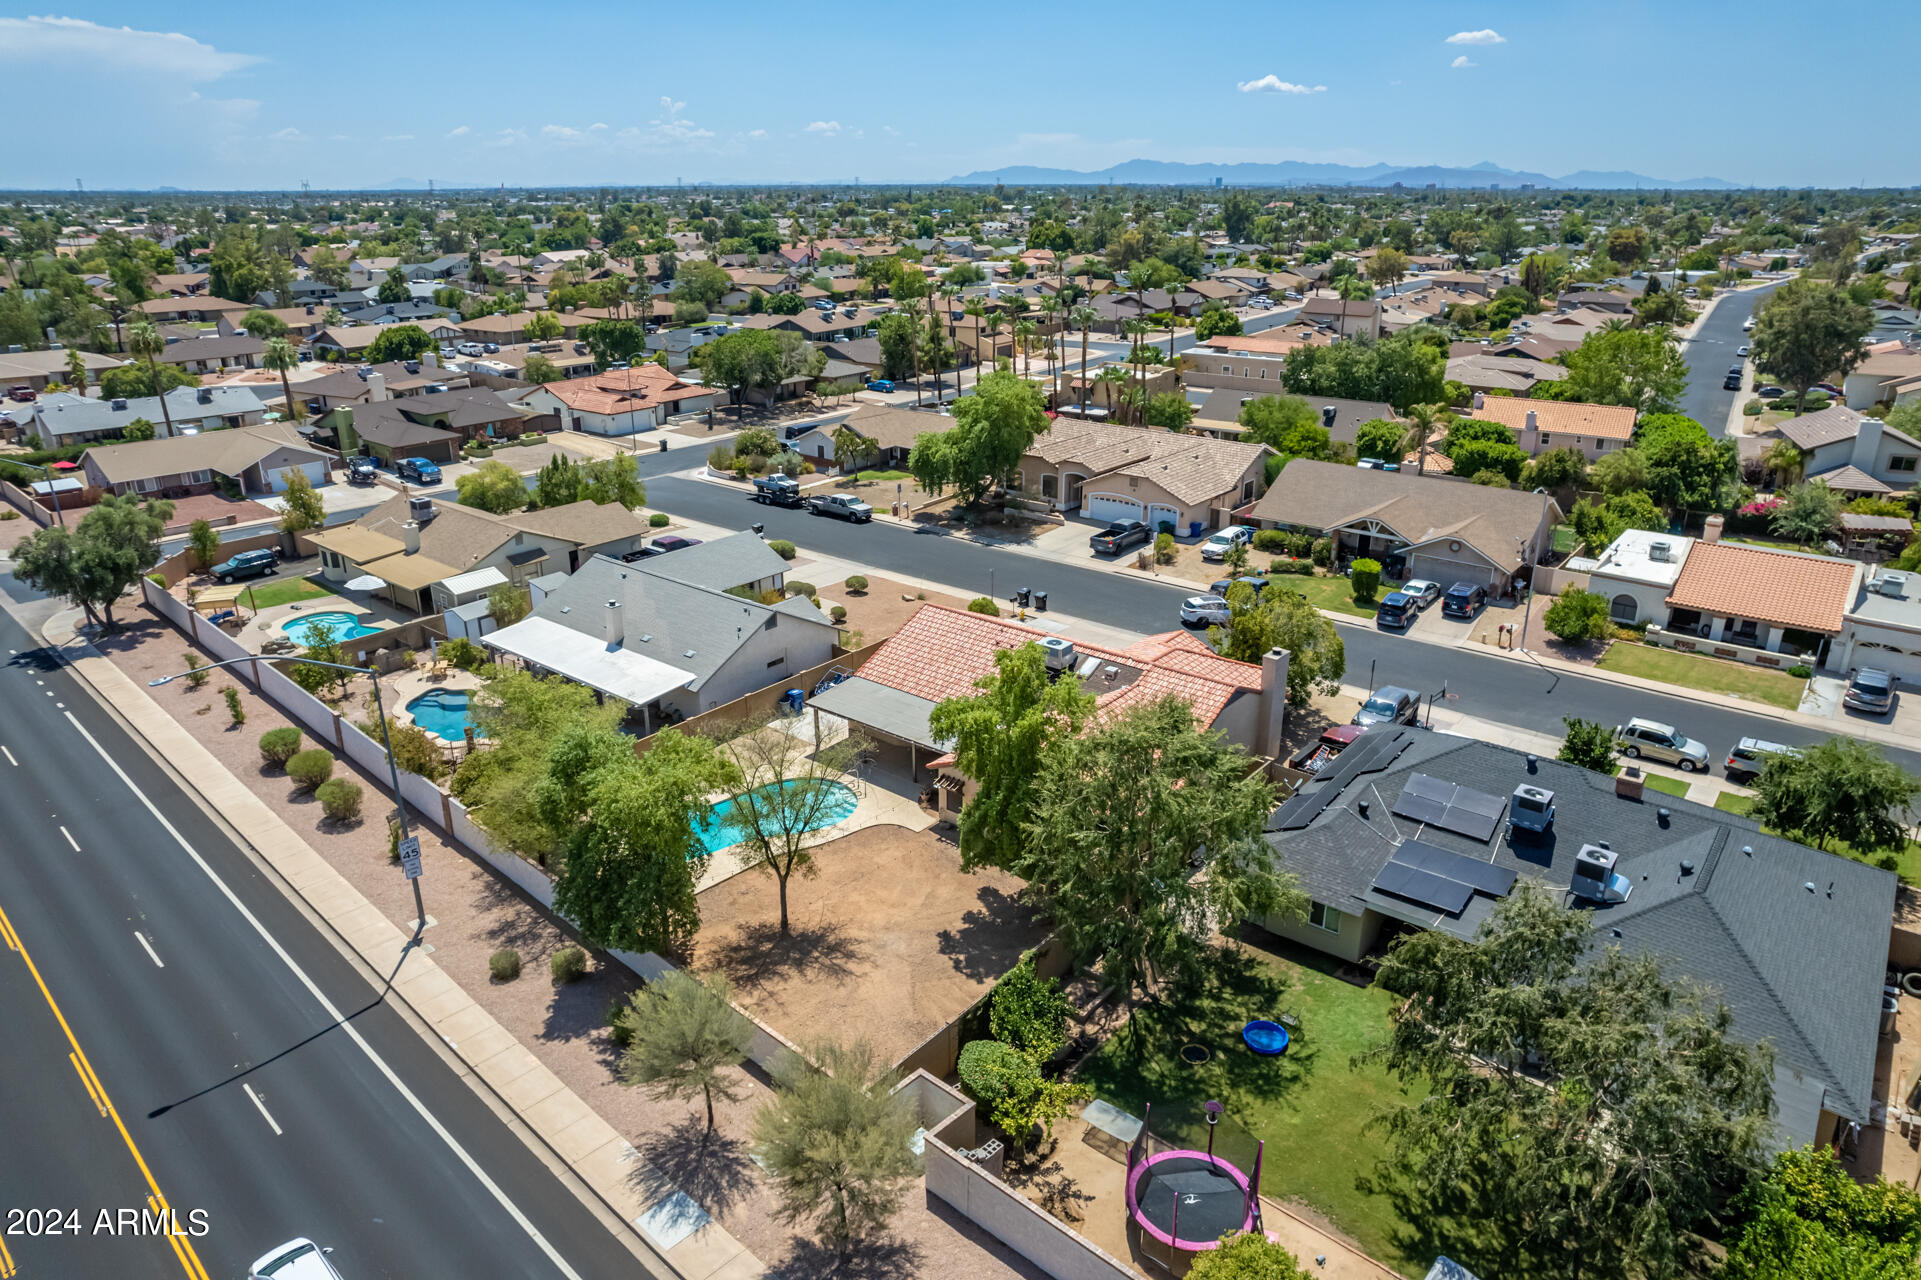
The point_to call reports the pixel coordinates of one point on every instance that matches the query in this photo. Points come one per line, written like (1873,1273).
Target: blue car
(880,384)
(418,470)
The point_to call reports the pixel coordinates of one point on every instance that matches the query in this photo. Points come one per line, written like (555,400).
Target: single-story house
(1417,526)
(511,327)
(213,353)
(620,402)
(1794,940)
(1890,375)
(1636,573)
(741,563)
(195,310)
(1882,628)
(63,418)
(36,369)
(359,384)
(474,413)
(383,429)
(1111,472)
(890,433)
(1761,598)
(1853,452)
(1516,375)
(670,648)
(1540,425)
(345,341)
(259,459)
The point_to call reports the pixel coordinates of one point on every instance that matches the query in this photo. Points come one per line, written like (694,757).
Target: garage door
(1156,512)
(316,474)
(1447,572)
(1110,506)
(1903,663)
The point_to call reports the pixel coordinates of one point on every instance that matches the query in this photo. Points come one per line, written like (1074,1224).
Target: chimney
(1533,423)
(376,386)
(410,534)
(610,624)
(431,359)
(1273,708)
(204,395)
(310,308)
(1480,399)
(1867,443)
(120,404)
(1630,783)
(1711,528)
(1327,417)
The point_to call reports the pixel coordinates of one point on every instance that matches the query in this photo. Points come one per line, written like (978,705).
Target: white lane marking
(151,953)
(10,759)
(339,1019)
(263,1109)
(70,840)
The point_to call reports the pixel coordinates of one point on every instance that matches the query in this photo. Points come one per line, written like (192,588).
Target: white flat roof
(475,580)
(1629,557)
(631,677)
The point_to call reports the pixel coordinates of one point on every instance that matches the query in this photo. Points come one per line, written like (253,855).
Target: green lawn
(871,477)
(1309,1105)
(1710,675)
(285,591)
(1907,861)
(1564,538)
(1334,593)
(1660,782)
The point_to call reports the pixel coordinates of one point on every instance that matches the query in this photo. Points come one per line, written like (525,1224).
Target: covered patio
(545,646)
(905,751)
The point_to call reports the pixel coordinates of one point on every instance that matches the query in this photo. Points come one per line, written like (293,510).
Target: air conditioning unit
(1660,551)
(1892,584)
(1531,809)
(1059,652)
(1594,878)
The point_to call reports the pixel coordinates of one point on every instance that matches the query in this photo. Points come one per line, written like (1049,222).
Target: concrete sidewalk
(589,1155)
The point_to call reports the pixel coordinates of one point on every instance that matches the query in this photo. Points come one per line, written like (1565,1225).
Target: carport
(896,721)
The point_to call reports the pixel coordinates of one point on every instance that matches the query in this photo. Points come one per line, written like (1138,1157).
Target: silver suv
(1871,690)
(1662,742)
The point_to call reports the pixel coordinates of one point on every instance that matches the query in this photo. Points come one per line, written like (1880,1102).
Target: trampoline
(1269,1039)
(1187,1200)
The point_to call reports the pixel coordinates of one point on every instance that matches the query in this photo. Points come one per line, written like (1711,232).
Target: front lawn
(1709,675)
(1660,782)
(1310,1105)
(1907,861)
(873,477)
(285,591)
(1336,594)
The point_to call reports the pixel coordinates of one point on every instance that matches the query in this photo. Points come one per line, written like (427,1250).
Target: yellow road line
(6,1261)
(6,932)
(91,1091)
(182,1248)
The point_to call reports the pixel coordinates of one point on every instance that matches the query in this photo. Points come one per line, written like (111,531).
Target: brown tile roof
(623,390)
(1191,467)
(1567,417)
(586,522)
(1782,588)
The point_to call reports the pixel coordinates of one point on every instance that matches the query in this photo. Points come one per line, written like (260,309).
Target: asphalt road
(261,1078)
(1710,354)
(1496,688)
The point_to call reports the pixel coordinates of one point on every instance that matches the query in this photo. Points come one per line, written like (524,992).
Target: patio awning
(881,708)
(621,673)
(473,580)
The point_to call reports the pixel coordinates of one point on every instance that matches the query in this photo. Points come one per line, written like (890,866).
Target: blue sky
(219,94)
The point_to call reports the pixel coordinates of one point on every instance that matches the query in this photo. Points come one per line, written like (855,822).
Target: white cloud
(338,137)
(1464,61)
(459,131)
(559,131)
(289,134)
(77,42)
(757,133)
(596,127)
(828,127)
(1486,35)
(890,131)
(671,107)
(1274,84)
(508,137)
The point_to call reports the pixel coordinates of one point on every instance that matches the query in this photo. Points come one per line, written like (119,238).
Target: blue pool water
(722,831)
(445,713)
(342,625)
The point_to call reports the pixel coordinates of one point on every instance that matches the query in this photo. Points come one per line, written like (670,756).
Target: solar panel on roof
(1372,752)
(1421,784)
(1439,803)
(1425,888)
(1420,809)
(1485,876)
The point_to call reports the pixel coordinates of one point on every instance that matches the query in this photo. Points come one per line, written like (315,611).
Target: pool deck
(403,687)
(268,623)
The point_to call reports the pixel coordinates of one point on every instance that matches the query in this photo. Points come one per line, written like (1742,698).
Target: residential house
(1881,628)
(889,432)
(621,402)
(35,369)
(511,361)
(345,341)
(1636,574)
(1515,375)
(1220,414)
(214,353)
(1342,316)
(1110,472)
(1794,940)
(1615,304)
(1852,452)
(258,459)
(1540,425)
(63,419)
(199,309)
(510,327)
(1417,526)
(364,383)
(1890,375)
(1758,598)
(1250,362)
(819,326)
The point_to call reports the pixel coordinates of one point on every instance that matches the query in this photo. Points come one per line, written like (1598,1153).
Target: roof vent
(1687,866)
(688,654)
(120,403)
(1533,761)
(1747,850)
(1660,551)
(1594,878)
(1808,885)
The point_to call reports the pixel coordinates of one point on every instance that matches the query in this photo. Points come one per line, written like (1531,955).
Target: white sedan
(1199,611)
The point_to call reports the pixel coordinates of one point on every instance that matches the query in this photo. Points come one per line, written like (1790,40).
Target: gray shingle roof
(720,563)
(1799,968)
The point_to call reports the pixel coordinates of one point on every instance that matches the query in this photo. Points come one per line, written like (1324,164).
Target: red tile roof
(1782,588)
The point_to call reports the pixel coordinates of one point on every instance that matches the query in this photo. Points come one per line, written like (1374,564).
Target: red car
(22,393)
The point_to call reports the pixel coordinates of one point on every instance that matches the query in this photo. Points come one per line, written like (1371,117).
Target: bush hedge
(990,1070)
(339,799)
(855,583)
(277,746)
(1292,568)
(1365,576)
(981,604)
(504,965)
(569,964)
(311,768)
(838,613)
(797,588)
(782,548)
(658,520)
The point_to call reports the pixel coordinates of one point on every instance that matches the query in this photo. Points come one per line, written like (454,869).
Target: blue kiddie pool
(1269,1039)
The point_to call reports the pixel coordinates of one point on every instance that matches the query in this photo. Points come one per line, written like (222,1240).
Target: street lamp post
(393,770)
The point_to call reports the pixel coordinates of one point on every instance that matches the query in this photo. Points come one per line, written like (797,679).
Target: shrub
(1365,575)
(504,965)
(1577,616)
(464,654)
(981,604)
(721,458)
(1029,1012)
(991,1070)
(1300,546)
(1292,568)
(339,799)
(236,712)
(195,676)
(9,514)
(277,746)
(620,1027)
(658,520)
(838,613)
(855,584)
(569,964)
(1164,547)
(1271,540)
(782,548)
(1321,551)
(311,768)
(1589,744)
(807,589)
(1800,671)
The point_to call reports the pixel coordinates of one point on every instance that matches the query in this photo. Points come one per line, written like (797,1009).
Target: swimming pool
(837,806)
(445,713)
(341,624)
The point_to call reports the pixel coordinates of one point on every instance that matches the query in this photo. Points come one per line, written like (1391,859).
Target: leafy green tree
(137,430)
(131,380)
(1688,470)
(1118,814)
(1472,457)
(520,715)
(1168,409)
(1839,789)
(1577,616)
(612,479)
(1640,368)
(1560,469)
(628,833)
(1388,266)
(1808,512)
(703,282)
(1029,1012)
(613,341)
(100,559)
(1247,1255)
(1588,743)
(1600,524)
(301,508)
(1560,1092)
(685,1040)
(1807,1218)
(1216,322)
(557,483)
(205,543)
(993,429)
(897,336)
(742,362)
(1381,438)
(851,448)
(492,486)
(1620,472)
(837,1144)
(394,288)
(321,643)
(263,324)
(1281,619)
(399,342)
(1286,424)
(998,734)
(539,370)
(1404,370)
(1808,332)
(543,326)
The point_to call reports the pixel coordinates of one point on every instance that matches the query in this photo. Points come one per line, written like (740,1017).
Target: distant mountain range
(1299,173)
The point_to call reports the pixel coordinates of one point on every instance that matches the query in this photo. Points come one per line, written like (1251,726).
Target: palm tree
(1024,331)
(976,310)
(1117,389)
(144,343)
(1422,420)
(993,323)
(1785,459)
(1084,318)
(280,356)
(1050,307)
(76,371)
(1137,331)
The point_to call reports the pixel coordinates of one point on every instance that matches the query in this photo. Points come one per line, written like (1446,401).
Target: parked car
(1733,381)
(1389,704)
(22,393)
(844,506)
(1198,611)
(1828,387)
(418,470)
(1119,536)
(1221,585)
(298,1259)
(1463,600)
(490,348)
(1233,536)
(247,564)
(1742,351)
(1871,690)
(1747,325)
(1662,742)
(1423,591)
(777,490)
(1397,609)
(671,542)
(880,384)
(1771,393)
(362,470)
(1750,756)
(471,349)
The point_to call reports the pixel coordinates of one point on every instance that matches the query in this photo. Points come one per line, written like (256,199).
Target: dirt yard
(881,610)
(890,941)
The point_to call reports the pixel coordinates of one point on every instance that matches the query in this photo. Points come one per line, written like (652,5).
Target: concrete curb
(558,1127)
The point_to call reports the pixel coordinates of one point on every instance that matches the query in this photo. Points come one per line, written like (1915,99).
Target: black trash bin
(1025,598)
(663,446)
(1040,601)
